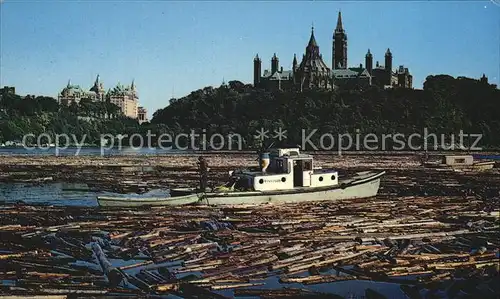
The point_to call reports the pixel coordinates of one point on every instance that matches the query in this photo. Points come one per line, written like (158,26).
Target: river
(90,151)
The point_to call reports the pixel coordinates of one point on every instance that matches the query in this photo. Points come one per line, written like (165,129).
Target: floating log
(112,273)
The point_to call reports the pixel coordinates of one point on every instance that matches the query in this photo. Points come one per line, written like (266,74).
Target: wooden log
(235,286)
(18,255)
(136,265)
(113,274)
(315,279)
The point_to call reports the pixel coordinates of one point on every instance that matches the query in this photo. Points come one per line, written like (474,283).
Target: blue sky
(173,48)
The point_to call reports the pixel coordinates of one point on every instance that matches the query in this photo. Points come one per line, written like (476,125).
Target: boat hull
(109,201)
(363,185)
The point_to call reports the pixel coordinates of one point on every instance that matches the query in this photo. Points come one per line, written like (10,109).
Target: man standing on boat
(203,168)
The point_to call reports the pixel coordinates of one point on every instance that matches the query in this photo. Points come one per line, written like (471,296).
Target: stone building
(74,93)
(125,97)
(313,72)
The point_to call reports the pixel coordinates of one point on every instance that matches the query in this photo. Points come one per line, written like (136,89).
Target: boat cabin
(283,169)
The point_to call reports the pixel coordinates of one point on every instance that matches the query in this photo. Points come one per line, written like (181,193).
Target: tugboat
(285,176)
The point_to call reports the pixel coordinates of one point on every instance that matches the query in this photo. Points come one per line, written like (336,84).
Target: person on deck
(203,168)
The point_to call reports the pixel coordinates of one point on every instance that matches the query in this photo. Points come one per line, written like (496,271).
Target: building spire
(69,83)
(132,86)
(339,23)
(312,40)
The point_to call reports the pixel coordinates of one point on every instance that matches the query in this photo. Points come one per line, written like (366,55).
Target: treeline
(446,105)
(37,114)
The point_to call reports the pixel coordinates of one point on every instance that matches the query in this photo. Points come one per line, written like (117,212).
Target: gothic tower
(339,47)
(274,64)
(388,66)
(369,62)
(257,64)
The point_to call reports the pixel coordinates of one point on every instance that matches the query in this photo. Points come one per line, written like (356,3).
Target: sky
(171,48)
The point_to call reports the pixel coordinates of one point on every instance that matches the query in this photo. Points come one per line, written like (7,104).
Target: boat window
(279,166)
(307,165)
(243,183)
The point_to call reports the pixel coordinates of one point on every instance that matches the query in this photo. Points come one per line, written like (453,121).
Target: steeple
(132,86)
(312,40)
(388,52)
(69,83)
(339,23)
(312,49)
(294,63)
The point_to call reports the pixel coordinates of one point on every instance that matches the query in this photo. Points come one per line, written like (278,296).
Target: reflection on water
(90,151)
(59,194)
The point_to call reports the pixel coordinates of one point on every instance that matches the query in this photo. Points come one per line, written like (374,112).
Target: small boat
(285,176)
(460,163)
(115,201)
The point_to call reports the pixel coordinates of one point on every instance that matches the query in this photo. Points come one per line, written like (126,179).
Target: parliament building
(313,73)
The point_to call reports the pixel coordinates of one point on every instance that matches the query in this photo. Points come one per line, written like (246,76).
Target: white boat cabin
(284,169)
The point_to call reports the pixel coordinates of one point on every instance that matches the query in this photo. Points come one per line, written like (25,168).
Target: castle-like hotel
(125,97)
(313,72)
